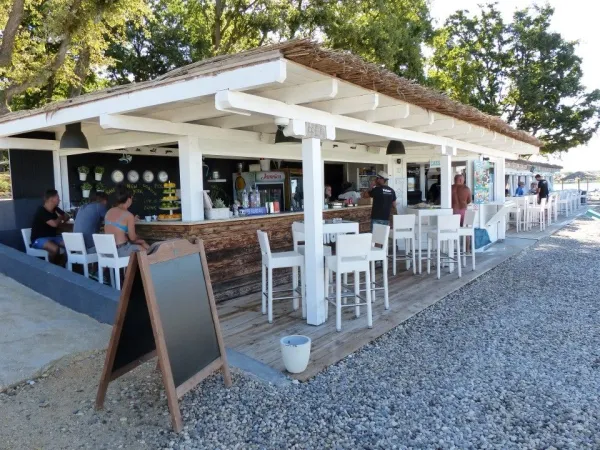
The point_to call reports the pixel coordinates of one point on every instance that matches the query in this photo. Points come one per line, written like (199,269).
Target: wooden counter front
(232,249)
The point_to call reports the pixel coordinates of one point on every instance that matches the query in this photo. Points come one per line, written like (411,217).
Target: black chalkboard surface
(167,309)
(185,314)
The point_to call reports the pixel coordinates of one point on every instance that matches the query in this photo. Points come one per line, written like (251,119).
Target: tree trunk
(81,71)
(9,34)
(218,23)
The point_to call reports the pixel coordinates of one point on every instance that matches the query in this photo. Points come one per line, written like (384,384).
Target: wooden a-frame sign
(167,309)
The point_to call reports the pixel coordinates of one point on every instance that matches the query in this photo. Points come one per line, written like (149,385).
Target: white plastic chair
(77,252)
(352,256)
(404,227)
(468,230)
(537,214)
(564,203)
(448,230)
(26,233)
(279,260)
(108,257)
(548,210)
(379,252)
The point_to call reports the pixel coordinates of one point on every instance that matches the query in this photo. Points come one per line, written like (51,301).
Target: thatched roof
(342,65)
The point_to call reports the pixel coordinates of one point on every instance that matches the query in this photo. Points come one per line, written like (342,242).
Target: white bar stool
(404,227)
(352,256)
(297,237)
(379,252)
(448,230)
(108,257)
(468,230)
(537,214)
(279,260)
(77,252)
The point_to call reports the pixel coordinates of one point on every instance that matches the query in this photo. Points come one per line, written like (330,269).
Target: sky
(574,20)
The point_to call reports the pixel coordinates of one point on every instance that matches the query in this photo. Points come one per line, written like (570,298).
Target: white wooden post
(446,181)
(65,195)
(422,182)
(191,178)
(57,176)
(312,166)
(500,196)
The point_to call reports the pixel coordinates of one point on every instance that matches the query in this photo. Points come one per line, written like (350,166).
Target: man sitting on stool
(46,221)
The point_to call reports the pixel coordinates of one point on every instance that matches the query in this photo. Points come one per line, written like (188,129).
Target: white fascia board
(250,77)
(147,125)
(238,121)
(12,143)
(385,113)
(464,130)
(228,100)
(474,148)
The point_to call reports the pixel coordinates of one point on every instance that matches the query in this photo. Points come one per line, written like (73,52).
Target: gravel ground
(512,360)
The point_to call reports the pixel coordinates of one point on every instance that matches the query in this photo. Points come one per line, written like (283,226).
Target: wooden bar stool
(279,260)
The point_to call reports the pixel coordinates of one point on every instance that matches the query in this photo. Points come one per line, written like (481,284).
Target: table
(425,212)
(333,228)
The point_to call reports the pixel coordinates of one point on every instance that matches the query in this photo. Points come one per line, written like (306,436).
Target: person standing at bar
(542,188)
(461,197)
(384,198)
(89,219)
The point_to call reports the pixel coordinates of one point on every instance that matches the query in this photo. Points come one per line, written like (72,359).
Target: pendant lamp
(73,138)
(395,148)
(280,137)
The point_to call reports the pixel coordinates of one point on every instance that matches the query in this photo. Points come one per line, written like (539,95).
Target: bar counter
(232,248)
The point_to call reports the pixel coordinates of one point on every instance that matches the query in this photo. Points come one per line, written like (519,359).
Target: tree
(47,44)
(387,32)
(521,71)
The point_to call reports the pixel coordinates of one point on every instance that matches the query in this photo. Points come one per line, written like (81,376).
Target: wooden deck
(246,330)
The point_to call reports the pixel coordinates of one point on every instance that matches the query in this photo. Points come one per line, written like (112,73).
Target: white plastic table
(426,212)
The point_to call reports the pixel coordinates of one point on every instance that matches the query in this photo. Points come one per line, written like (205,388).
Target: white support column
(312,167)
(469,181)
(422,182)
(500,186)
(446,180)
(57,176)
(191,178)
(65,194)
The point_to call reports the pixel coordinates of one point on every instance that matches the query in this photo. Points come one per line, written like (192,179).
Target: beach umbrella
(580,175)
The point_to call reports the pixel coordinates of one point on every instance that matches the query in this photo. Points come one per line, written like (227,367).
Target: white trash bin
(295,351)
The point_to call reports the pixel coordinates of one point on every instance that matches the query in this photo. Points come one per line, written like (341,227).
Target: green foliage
(99,187)
(99,169)
(178,32)
(218,203)
(86,187)
(83,169)
(521,71)
(5,185)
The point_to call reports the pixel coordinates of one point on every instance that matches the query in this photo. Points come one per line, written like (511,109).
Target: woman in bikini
(121,223)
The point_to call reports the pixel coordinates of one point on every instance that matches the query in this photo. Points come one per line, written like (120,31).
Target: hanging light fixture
(73,138)
(280,137)
(395,148)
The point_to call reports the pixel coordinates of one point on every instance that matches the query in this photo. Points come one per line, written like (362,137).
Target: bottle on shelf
(245,201)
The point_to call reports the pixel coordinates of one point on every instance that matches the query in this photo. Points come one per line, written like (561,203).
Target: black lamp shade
(280,137)
(73,138)
(395,148)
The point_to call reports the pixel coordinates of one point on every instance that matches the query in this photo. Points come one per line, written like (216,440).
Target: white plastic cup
(295,351)
(148,218)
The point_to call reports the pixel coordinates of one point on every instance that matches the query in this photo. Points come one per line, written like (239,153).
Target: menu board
(482,182)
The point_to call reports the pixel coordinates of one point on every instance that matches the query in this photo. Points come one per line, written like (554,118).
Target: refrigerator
(270,185)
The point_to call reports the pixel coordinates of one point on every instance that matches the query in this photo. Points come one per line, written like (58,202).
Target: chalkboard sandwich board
(167,309)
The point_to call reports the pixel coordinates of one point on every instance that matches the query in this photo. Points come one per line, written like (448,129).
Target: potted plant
(219,210)
(85,190)
(98,172)
(83,172)
(99,187)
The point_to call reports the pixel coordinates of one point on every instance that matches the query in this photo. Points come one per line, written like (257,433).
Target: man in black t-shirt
(46,221)
(384,198)
(542,190)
